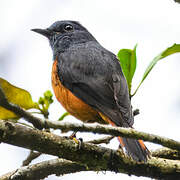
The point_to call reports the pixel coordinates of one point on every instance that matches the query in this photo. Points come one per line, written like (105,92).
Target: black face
(60,27)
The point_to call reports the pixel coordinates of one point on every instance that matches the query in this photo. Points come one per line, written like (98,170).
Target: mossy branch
(44,169)
(95,128)
(55,166)
(115,131)
(166,153)
(88,155)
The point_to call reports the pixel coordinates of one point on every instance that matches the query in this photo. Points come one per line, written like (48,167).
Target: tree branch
(105,140)
(101,129)
(32,155)
(44,169)
(115,131)
(178,1)
(88,155)
(166,153)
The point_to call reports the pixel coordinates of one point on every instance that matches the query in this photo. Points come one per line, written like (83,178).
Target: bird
(88,81)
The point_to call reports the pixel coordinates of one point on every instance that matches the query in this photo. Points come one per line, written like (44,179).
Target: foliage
(16,96)
(127,60)
(45,102)
(22,98)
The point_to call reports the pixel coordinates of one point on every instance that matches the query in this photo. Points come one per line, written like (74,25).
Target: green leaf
(16,96)
(45,102)
(127,58)
(48,95)
(63,116)
(171,50)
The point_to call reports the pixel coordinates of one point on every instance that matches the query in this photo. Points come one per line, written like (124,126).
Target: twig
(88,155)
(136,112)
(105,140)
(32,155)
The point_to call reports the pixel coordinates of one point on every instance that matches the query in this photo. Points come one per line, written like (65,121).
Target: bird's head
(63,34)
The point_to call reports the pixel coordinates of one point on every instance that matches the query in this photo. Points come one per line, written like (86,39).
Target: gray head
(63,34)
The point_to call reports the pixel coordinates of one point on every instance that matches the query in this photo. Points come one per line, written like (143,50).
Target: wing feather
(94,75)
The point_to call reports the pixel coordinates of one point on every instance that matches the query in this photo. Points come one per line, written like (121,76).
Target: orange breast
(70,102)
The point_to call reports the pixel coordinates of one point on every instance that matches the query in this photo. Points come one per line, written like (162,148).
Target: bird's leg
(73,135)
(77,141)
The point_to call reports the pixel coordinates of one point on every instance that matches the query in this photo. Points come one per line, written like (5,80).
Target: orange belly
(71,103)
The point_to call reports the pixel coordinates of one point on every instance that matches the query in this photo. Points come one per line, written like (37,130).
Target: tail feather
(135,148)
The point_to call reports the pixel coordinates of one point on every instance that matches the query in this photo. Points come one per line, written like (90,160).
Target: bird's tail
(134,148)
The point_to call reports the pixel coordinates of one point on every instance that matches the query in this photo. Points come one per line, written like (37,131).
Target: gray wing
(94,75)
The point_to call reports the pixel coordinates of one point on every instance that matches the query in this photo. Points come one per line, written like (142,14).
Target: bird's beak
(45,32)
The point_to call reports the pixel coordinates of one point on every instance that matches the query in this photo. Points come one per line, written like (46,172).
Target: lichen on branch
(89,155)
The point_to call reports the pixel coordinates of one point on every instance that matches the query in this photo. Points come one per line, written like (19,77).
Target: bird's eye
(68,27)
